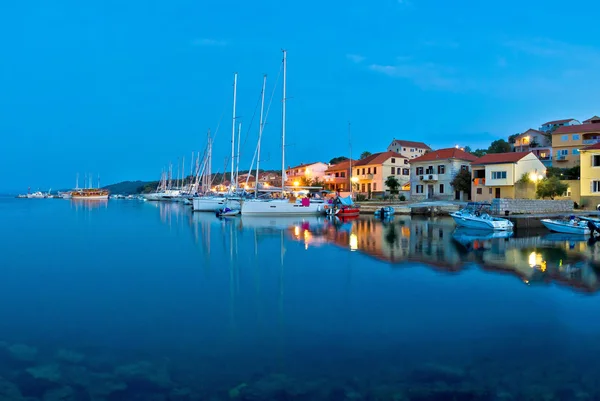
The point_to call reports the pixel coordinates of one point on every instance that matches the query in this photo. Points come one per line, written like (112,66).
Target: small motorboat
(476,215)
(227,212)
(385,211)
(570,226)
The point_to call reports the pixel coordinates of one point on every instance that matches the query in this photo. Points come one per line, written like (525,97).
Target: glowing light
(354,179)
(535,260)
(296,183)
(540,177)
(353,242)
(533,177)
(297,231)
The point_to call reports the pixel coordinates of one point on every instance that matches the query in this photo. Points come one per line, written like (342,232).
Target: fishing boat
(89,194)
(386,211)
(570,226)
(342,207)
(476,215)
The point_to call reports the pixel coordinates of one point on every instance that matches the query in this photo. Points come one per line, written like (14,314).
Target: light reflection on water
(349,309)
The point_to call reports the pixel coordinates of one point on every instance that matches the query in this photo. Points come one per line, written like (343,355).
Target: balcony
(591,141)
(561,158)
(428,177)
(365,176)
(479,181)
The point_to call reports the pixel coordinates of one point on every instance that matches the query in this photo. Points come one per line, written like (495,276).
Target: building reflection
(437,243)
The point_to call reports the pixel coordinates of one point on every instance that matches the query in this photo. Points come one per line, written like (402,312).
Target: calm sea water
(125,300)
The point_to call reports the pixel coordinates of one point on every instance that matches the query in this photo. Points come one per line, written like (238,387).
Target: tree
(479,152)
(365,154)
(499,146)
(393,184)
(572,173)
(551,188)
(468,149)
(338,159)
(317,183)
(462,181)
(513,138)
(306,182)
(524,179)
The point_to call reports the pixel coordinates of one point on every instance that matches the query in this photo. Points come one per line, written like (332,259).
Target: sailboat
(271,207)
(216,203)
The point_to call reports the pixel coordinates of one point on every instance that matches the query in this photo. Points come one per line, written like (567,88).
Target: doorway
(497,193)
(429,191)
(457,195)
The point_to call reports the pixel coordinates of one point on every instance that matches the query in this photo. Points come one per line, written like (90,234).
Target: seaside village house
(408,149)
(432,173)
(371,173)
(337,176)
(551,126)
(569,139)
(309,171)
(536,142)
(590,175)
(496,175)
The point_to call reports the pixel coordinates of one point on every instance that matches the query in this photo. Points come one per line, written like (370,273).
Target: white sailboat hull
(279,208)
(213,204)
(469,221)
(565,228)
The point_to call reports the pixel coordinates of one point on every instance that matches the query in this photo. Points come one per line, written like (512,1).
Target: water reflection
(535,258)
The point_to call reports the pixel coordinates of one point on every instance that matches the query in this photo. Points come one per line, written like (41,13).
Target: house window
(490,191)
(563,152)
(374,170)
(405,171)
(405,161)
(596,161)
(479,191)
(404,149)
(463,167)
(374,186)
(363,171)
(575,137)
(363,187)
(420,150)
(393,160)
(412,150)
(343,174)
(419,170)
(369,170)
(357,171)
(397,150)
(337,175)
(564,138)
(393,170)
(419,189)
(575,151)
(498,175)
(441,188)
(595,186)
(441,169)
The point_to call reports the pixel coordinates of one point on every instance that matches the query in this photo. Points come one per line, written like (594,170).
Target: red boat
(343,207)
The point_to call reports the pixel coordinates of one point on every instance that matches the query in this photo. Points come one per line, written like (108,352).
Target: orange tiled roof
(378,158)
(497,158)
(448,153)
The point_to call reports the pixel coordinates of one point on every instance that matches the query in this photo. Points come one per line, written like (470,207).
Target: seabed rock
(68,356)
(22,352)
(50,373)
(9,391)
(145,373)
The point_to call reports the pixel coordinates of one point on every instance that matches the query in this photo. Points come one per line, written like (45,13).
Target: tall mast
(260,131)
(237,161)
(350,143)
(77,181)
(209,163)
(182,172)
(98,181)
(283,122)
(233,129)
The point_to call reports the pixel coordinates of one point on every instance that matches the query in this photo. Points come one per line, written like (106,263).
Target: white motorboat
(476,215)
(255,207)
(214,203)
(571,226)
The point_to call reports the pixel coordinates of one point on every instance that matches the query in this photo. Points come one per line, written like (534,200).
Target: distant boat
(342,207)
(89,194)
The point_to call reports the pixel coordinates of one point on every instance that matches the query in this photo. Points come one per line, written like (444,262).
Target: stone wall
(524,206)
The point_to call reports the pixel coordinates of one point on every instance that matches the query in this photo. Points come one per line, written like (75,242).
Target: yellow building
(568,140)
(590,175)
(371,172)
(495,175)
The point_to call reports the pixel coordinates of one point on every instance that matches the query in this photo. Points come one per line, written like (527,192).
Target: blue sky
(123,88)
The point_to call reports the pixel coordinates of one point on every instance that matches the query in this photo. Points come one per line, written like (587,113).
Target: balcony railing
(479,181)
(591,141)
(429,177)
(561,158)
(365,176)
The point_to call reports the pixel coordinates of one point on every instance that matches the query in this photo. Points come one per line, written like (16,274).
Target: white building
(431,174)
(408,149)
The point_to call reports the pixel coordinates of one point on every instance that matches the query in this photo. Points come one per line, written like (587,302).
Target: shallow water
(132,300)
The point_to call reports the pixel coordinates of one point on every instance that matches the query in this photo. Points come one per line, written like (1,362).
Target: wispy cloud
(424,75)
(355,58)
(208,42)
